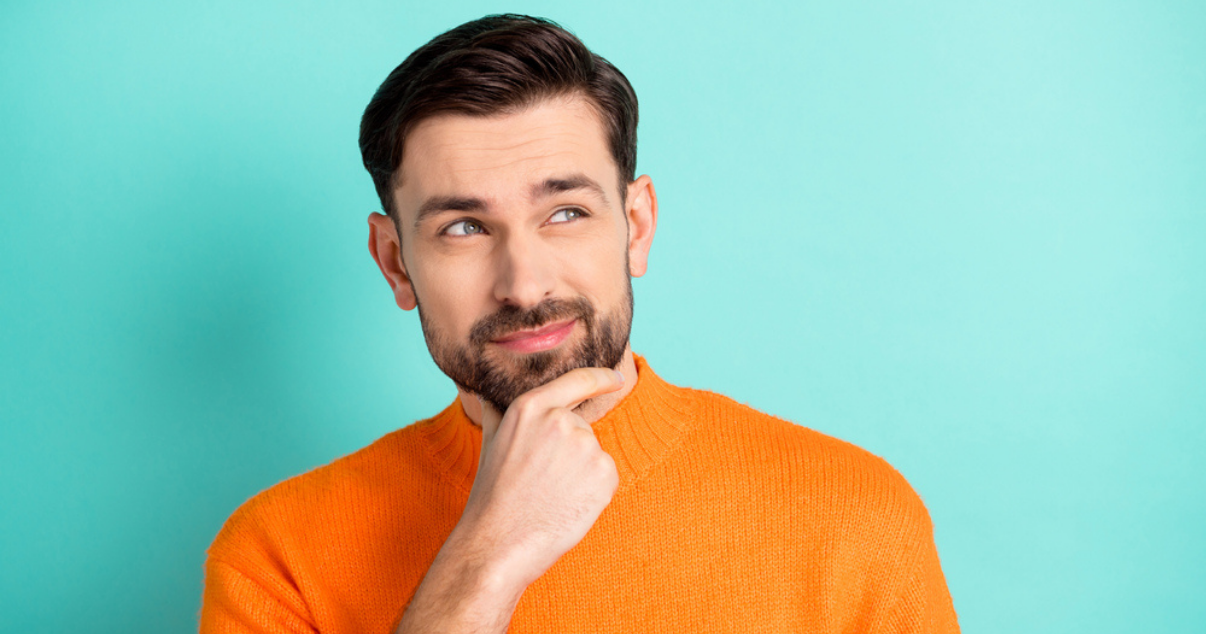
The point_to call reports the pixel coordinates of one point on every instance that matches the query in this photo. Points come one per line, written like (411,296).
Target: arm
(238,601)
(461,593)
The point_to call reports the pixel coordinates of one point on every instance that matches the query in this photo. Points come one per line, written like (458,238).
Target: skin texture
(501,244)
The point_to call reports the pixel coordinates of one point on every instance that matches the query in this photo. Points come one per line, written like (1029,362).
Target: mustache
(510,318)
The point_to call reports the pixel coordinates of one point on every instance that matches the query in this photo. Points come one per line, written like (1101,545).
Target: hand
(542,478)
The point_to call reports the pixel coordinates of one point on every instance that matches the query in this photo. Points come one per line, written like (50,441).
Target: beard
(499,381)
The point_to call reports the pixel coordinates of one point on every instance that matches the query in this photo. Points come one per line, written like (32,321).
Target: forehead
(500,156)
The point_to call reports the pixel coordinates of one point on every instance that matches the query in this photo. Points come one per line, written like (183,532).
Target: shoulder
(828,474)
(858,526)
(285,511)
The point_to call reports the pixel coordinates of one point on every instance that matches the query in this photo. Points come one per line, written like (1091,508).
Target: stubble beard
(499,377)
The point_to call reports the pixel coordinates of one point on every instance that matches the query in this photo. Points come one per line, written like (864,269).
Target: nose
(524,274)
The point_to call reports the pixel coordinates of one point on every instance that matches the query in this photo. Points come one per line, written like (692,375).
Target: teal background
(967,236)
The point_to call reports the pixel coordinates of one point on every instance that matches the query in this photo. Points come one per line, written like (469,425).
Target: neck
(590,410)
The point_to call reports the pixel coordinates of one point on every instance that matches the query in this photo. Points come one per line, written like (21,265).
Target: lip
(539,339)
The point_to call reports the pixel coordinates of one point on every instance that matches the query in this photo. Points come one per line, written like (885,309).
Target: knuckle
(604,463)
(524,405)
(587,443)
(606,468)
(565,420)
(552,424)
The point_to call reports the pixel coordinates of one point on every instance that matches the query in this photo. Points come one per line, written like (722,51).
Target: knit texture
(726,520)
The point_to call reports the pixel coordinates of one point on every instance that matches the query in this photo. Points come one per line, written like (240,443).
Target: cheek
(450,295)
(597,271)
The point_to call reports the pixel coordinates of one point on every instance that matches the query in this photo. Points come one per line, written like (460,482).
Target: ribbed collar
(638,432)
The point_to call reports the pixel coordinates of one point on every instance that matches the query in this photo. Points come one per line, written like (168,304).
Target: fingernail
(621,375)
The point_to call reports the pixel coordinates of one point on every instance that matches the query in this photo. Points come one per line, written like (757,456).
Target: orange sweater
(725,520)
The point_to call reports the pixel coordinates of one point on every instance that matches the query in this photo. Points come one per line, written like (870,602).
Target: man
(567,488)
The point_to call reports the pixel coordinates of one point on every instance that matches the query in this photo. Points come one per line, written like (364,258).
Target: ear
(386,247)
(642,223)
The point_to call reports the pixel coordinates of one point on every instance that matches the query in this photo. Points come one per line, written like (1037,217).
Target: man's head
(504,153)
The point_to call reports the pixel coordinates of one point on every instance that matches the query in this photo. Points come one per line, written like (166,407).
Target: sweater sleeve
(235,602)
(923,605)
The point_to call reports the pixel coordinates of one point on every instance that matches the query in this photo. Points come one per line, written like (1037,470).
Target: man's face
(515,243)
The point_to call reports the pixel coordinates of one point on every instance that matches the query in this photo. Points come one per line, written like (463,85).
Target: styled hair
(498,64)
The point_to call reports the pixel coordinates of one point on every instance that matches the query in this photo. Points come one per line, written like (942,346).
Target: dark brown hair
(493,65)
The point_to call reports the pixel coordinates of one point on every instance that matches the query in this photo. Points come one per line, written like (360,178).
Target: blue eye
(462,228)
(567,215)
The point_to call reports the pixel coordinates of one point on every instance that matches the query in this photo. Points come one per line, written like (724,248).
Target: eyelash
(580,213)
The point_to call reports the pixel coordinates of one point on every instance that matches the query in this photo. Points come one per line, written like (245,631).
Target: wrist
(484,565)
(463,591)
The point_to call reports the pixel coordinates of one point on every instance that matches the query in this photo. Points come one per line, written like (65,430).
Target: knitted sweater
(725,520)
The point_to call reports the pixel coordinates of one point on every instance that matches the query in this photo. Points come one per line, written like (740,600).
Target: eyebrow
(439,204)
(544,189)
(569,183)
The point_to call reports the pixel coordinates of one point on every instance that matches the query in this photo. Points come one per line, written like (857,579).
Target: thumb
(490,420)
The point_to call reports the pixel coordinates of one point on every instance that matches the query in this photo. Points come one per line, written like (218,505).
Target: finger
(575,386)
(490,420)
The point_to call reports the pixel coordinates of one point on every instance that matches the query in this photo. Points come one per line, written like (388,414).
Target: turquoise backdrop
(968,236)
